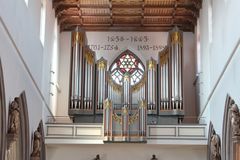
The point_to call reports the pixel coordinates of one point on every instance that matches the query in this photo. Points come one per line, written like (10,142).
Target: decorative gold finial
(151,64)
(102,63)
(77,37)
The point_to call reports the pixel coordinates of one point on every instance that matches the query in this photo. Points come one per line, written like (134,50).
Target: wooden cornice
(114,14)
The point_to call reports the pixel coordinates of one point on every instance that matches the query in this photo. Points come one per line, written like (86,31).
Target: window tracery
(127,63)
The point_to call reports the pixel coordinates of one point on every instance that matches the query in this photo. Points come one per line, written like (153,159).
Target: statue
(235,120)
(215,147)
(153,157)
(14,118)
(36,144)
(97,157)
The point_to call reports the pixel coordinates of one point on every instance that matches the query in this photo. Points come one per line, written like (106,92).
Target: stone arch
(18,139)
(227,131)
(231,130)
(2,115)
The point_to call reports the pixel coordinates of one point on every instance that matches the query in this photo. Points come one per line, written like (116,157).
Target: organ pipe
(89,69)
(107,120)
(164,79)
(151,86)
(176,47)
(76,77)
(101,84)
(82,76)
(126,90)
(142,118)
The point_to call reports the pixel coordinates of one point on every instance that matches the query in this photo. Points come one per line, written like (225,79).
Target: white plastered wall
(219,59)
(23,55)
(126,152)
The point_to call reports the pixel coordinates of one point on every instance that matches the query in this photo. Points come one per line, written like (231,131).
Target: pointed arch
(214,144)
(127,63)
(227,144)
(18,139)
(2,115)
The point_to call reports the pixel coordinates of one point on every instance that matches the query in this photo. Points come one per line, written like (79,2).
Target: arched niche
(227,143)
(38,144)
(2,115)
(231,130)
(18,140)
(214,144)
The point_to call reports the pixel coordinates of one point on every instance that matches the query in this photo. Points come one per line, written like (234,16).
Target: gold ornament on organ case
(89,57)
(164,55)
(176,38)
(107,104)
(77,37)
(102,64)
(151,64)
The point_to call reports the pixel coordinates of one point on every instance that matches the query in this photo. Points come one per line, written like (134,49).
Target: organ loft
(127,93)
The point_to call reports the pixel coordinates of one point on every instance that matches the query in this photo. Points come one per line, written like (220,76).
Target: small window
(26,2)
(127,62)
(42,21)
(210,21)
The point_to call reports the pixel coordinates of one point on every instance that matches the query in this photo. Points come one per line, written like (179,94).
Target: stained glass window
(128,63)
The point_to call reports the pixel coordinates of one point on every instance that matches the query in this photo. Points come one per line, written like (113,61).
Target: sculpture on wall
(14,121)
(214,144)
(235,120)
(36,145)
(18,129)
(38,149)
(215,147)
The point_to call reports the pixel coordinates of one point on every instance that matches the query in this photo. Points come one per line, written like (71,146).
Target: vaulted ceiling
(127,15)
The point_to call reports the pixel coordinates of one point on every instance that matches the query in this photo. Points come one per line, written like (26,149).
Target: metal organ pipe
(164,78)
(151,86)
(76,71)
(176,68)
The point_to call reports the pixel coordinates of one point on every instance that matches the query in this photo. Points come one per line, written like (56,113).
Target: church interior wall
(220,55)
(126,151)
(26,61)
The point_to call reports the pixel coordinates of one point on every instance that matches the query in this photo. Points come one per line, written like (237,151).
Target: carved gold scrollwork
(102,64)
(133,118)
(151,64)
(107,104)
(176,37)
(77,37)
(89,57)
(117,118)
(164,56)
(142,104)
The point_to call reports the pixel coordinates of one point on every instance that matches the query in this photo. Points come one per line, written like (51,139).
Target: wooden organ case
(126,95)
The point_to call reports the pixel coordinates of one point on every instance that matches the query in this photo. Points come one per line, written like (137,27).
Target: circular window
(127,63)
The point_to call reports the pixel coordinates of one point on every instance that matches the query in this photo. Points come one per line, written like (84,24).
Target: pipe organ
(101,80)
(164,80)
(176,42)
(151,86)
(126,94)
(82,76)
(170,75)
